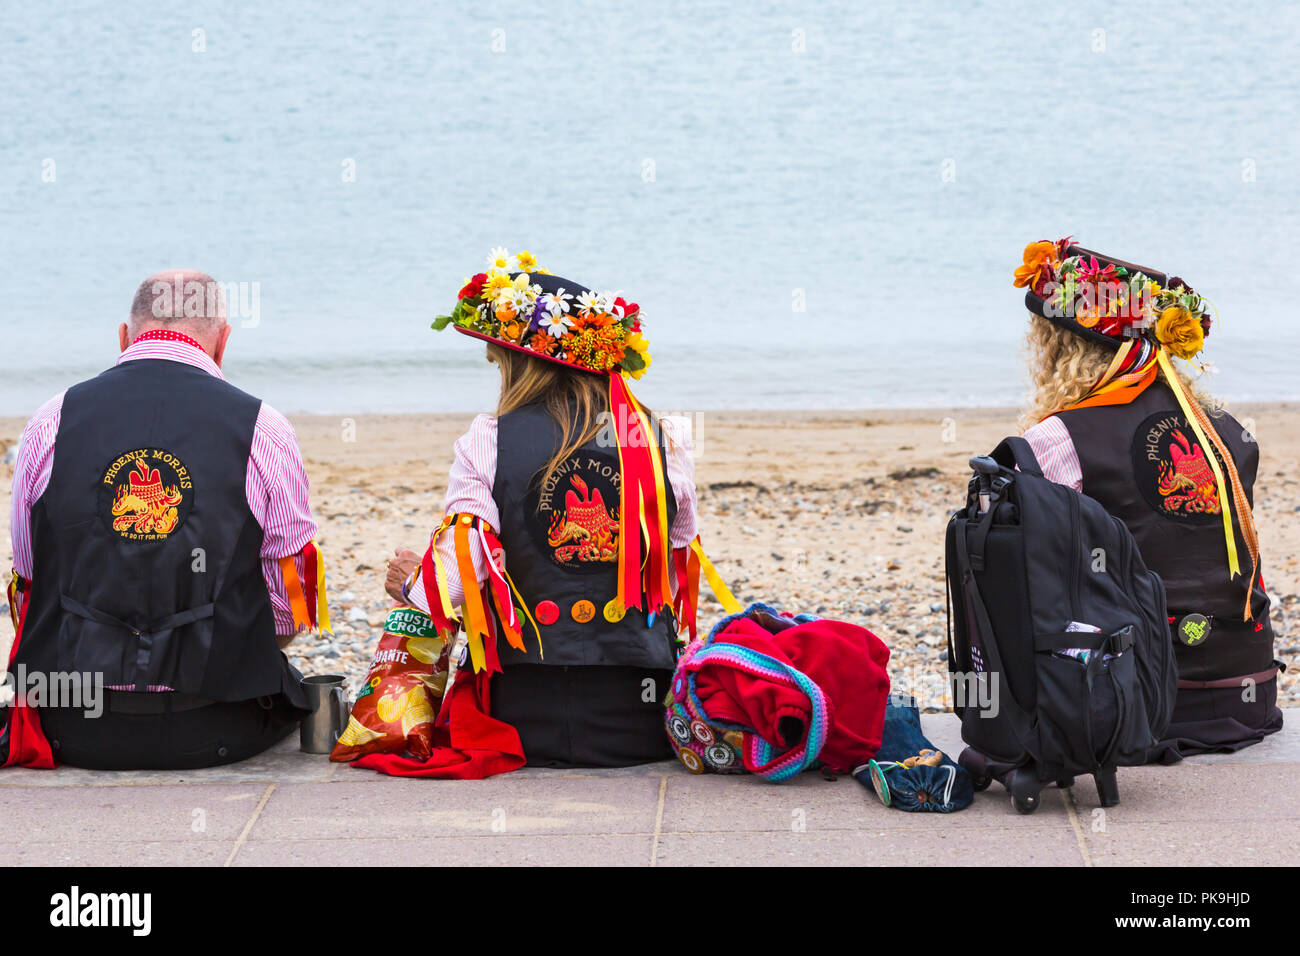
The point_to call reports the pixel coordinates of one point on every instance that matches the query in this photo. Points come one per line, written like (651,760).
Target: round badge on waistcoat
(1174,471)
(548,612)
(573,515)
(1194,629)
(145,494)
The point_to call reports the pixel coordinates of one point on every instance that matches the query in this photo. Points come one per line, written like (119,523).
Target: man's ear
(122,340)
(219,350)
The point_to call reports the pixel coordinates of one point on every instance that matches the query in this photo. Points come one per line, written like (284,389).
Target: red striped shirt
(276,482)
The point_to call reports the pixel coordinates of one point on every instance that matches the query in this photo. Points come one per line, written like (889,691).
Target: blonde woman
(592,504)
(1111,416)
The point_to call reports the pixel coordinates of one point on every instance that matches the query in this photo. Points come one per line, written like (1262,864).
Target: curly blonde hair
(1063,368)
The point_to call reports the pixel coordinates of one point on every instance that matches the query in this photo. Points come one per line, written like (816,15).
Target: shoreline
(835,512)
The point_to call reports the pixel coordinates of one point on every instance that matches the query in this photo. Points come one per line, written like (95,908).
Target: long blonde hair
(577,401)
(1063,368)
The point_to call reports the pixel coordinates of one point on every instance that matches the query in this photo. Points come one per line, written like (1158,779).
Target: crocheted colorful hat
(521,306)
(1110,301)
(705,744)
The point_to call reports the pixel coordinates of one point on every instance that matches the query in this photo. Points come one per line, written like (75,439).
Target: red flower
(473,287)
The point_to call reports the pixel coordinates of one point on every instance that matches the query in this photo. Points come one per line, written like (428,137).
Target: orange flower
(1039,257)
(511,331)
(543,343)
(595,344)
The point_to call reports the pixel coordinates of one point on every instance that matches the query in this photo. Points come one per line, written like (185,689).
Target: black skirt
(584,716)
(1216,720)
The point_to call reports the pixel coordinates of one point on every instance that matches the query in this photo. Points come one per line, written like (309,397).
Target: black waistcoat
(561,546)
(147,565)
(1143,462)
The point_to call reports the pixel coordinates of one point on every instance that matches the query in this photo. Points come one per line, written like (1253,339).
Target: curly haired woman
(1111,416)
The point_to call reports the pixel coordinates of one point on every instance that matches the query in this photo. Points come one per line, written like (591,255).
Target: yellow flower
(526,261)
(637,343)
(495,283)
(1180,331)
(645,357)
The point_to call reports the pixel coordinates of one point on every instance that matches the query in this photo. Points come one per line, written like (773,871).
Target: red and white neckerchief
(166,335)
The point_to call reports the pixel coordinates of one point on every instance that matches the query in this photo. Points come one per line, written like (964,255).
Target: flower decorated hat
(519,305)
(1110,301)
(1146,316)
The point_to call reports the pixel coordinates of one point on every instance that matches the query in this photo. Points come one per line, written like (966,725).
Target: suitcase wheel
(1025,788)
(972,761)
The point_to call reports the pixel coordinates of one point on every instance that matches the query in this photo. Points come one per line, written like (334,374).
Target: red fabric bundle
(467,743)
(846,661)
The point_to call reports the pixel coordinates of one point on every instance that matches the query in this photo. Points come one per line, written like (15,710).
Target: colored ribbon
(480,627)
(293,589)
(1209,438)
(308,603)
(1133,369)
(716,584)
(27,746)
(643,508)
(476,626)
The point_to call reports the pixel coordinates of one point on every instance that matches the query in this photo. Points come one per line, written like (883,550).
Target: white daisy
(556,302)
(589,302)
(501,260)
(607,303)
(555,323)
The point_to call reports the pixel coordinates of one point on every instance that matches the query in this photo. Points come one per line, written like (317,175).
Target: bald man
(157,512)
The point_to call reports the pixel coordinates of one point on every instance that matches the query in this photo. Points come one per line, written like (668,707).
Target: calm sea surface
(883,164)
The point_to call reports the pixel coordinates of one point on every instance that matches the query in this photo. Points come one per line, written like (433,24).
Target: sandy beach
(840,514)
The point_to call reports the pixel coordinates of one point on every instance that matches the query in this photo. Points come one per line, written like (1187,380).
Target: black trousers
(219,733)
(585,716)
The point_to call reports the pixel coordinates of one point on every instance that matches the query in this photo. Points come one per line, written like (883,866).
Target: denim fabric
(921,788)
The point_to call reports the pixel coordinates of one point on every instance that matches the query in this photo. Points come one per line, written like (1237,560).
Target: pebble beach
(837,514)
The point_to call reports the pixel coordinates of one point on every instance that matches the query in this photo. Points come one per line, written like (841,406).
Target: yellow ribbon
(716,584)
(1175,383)
(14,597)
(441,572)
(322,606)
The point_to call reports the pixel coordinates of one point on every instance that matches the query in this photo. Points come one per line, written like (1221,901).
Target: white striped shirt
(275,484)
(473,472)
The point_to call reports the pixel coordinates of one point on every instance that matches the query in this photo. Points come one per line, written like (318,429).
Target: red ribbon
(27,744)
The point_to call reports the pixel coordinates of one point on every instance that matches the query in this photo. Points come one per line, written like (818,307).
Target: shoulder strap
(1015,452)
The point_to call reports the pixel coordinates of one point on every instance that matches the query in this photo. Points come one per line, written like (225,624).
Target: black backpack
(1040,700)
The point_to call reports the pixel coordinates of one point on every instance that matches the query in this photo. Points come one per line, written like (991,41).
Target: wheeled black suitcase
(1059,649)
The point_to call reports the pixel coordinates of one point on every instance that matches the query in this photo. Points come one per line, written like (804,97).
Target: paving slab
(76,815)
(716,803)
(1192,842)
(119,853)
(378,808)
(1051,846)
(609,849)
